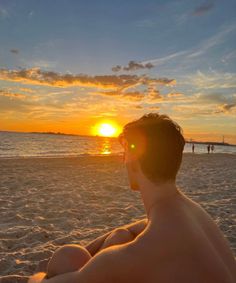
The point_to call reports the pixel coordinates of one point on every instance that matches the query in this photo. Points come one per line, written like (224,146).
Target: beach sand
(46,202)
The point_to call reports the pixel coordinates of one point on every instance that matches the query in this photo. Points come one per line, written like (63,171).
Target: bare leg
(118,237)
(68,258)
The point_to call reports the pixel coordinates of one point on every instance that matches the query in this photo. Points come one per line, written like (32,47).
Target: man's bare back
(180,243)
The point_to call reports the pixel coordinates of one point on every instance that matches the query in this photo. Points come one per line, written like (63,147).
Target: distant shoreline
(211,143)
(56,134)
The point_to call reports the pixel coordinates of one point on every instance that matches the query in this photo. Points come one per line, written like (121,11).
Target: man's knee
(121,232)
(67,258)
(71,251)
(119,236)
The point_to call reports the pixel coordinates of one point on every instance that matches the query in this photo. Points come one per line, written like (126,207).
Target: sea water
(15,144)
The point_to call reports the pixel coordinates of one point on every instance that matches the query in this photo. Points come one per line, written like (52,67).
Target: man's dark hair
(158,143)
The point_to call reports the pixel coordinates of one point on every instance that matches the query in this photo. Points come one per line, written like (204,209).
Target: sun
(106,129)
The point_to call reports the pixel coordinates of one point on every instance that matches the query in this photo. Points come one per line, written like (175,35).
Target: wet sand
(46,202)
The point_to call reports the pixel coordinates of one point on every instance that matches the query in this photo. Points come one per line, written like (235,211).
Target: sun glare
(106,129)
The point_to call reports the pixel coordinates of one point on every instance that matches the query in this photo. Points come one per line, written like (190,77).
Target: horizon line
(189,140)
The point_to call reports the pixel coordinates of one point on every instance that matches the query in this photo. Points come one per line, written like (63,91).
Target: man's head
(156,143)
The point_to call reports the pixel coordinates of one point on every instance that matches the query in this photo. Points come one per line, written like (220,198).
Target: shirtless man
(177,243)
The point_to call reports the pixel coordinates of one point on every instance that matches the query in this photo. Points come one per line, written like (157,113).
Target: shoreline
(115,155)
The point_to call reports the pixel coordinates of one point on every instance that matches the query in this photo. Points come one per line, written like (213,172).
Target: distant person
(193,148)
(212,148)
(208,148)
(177,242)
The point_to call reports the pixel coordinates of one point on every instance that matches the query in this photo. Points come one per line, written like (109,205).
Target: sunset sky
(67,65)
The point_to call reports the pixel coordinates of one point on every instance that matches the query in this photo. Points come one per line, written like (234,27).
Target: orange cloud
(154,107)
(175,94)
(226,108)
(132,95)
(138,107)
(26,89)
(12,95)
(36,76)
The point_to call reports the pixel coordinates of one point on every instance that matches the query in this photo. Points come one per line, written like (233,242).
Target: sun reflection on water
(106,147)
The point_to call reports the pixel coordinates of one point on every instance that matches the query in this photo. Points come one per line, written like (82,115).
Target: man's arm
(94,246)
(134,228)
(137,227)
(104,267)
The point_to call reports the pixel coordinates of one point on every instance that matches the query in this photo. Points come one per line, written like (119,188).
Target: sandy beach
(46,202)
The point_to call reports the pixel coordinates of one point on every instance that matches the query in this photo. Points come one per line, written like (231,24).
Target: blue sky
(190,47)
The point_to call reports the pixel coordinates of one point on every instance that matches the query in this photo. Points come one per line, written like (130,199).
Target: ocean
(14,144)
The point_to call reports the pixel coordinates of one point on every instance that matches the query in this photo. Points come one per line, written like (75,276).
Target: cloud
(42,64)
(116,84)
(165,59)
(226,108)
(216,98)
(175,94)
(11,101)
(204,8)
(37,63)
(36,76)
(138,107)
(211,80)
(153,93)
(194,110)
(129,88)
(154,107)
(18,102)
(229,56)
(12,95)
(150,94)
(186,56)
(133,66)
(212,41)
(3,13)
(28,90)
(132,95)
(208,104)
(117,68)
(14,51)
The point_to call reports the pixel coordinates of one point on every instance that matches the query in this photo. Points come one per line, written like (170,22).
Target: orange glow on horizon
(88,127)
